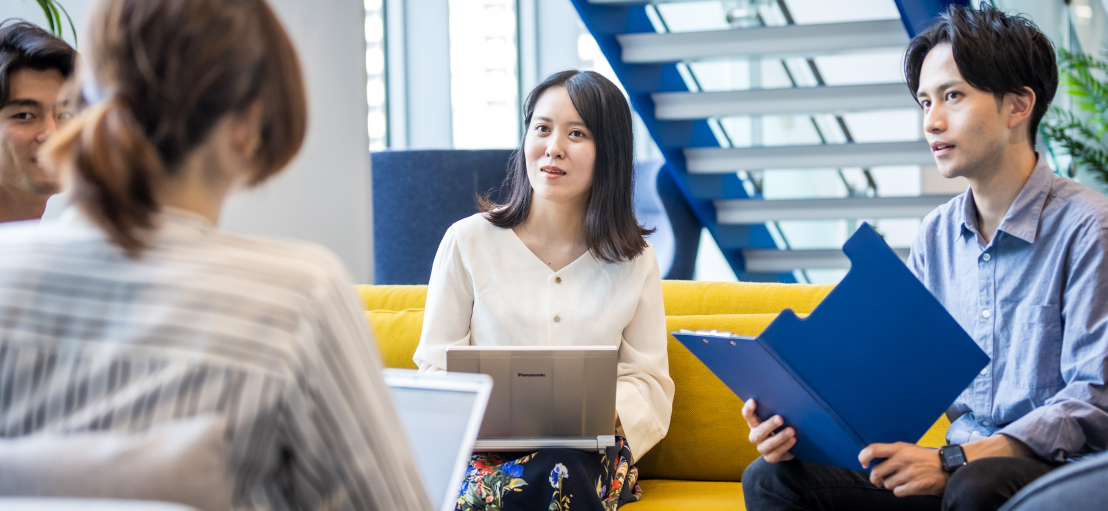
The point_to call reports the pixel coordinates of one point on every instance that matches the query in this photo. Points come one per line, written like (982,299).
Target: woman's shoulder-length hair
(612,233)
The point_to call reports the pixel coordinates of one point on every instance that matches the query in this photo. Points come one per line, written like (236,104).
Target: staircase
(717,179)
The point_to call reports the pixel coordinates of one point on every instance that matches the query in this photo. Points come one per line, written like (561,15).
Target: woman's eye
(23,115)
(65,116)
(952,95)
(541,129)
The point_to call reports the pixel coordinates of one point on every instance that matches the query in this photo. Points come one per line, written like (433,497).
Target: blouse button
(558,280)
(557,319)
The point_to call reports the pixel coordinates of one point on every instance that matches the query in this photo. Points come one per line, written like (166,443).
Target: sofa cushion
(682,297)
(397,334)
(392,298)
(667,495)
(707,439)
(936,436)
(688,298)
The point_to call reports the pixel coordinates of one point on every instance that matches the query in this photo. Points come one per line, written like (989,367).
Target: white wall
(324,195)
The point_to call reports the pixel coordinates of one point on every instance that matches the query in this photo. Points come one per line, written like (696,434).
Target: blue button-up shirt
(1035,299)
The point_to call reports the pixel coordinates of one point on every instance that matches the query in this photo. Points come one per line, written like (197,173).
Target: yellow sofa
(699,465)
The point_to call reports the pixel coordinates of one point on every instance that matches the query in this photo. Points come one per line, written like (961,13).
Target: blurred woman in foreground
(136,311)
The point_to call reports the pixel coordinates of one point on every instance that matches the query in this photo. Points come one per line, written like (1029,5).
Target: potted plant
(1079,131)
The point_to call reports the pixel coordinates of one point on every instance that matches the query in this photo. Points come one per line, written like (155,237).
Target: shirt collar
(177,216)
(174,219)
(969,216)
(1022,218)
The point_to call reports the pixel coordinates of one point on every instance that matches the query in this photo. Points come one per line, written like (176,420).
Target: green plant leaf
(1079,131)
(72,27)
(1087,106)
(53,12)
(1085,79)
(45,5)
(57,20)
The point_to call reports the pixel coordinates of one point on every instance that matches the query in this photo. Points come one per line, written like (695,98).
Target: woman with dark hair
(562,261)
(135,313)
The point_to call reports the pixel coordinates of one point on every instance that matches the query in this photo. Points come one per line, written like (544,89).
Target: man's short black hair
(994,52)
(26,46)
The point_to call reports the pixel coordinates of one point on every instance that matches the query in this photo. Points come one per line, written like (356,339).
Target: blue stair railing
(606,20)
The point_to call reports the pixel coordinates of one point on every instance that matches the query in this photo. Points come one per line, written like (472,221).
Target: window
(375,91)
(484,77)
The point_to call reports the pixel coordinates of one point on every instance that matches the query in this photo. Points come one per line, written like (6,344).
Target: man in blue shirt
(1020,260)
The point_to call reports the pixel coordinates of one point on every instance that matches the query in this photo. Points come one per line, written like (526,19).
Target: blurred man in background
(34,66)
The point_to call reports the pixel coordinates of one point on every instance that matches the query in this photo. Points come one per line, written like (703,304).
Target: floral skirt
(550,479)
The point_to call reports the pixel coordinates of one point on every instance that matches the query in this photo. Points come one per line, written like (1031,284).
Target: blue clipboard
(878,361)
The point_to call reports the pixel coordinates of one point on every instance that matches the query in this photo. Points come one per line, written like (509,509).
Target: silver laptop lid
(441,414)
(544,391)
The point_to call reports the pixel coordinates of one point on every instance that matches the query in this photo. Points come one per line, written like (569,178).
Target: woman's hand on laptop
(774,447)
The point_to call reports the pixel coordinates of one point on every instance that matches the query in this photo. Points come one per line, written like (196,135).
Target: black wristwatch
(952,457)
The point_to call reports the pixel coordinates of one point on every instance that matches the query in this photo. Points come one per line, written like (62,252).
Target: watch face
(953,457)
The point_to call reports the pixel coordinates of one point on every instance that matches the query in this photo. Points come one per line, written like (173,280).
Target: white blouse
(488,289)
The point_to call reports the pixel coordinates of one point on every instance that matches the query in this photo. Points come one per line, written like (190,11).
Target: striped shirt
(265,334)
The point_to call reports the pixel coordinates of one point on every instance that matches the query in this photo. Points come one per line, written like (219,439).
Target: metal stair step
(873,154)
(781,261)
(758,211)
(784,41)
(672,106)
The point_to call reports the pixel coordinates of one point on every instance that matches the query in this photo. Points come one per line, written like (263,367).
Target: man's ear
(1019,106)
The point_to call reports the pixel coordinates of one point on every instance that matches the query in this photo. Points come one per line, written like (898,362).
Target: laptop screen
(440,418)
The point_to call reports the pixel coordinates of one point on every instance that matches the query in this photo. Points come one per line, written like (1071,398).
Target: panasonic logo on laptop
(531,375)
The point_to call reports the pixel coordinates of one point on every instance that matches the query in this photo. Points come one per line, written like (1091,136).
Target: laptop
(544,396)
(441,414)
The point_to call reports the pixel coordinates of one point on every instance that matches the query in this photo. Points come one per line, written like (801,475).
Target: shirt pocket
(1035,347)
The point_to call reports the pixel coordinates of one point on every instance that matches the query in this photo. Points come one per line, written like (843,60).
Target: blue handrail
(605,22)
(917,15)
